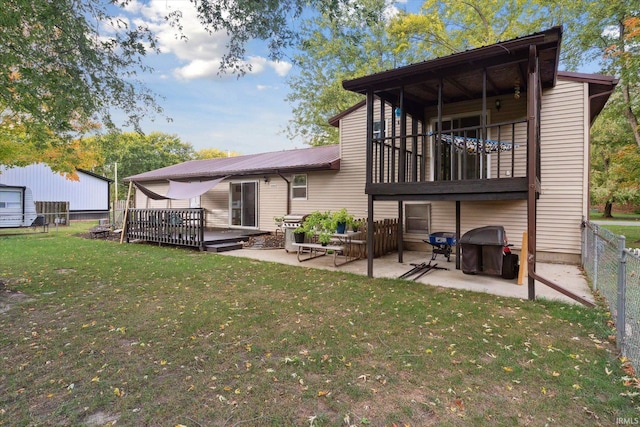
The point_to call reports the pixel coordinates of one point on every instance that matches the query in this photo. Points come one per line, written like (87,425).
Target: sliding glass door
(244,204)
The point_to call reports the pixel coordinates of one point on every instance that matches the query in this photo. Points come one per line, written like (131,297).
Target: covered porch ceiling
(506,65)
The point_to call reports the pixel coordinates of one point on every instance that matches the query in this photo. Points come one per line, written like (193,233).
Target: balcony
(466,163)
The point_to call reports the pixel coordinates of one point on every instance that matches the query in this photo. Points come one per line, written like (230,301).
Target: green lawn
(616,216)
(138,334)
(631,233)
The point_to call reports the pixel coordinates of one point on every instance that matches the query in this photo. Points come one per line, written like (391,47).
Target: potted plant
(298,235)
(324,238)
(340,220)
(316,223)
(278,220)
(356,224)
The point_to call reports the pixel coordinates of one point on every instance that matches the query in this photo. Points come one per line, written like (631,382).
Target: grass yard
(594,216)
(630,232)
(94,333)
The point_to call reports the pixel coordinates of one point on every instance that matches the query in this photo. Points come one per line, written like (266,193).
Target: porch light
(516,89)
(498,104)
(398,112)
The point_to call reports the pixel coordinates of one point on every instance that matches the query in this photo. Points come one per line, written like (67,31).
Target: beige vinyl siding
(562,203)
(272,201)
(333,190)
(215,202)
(564,135)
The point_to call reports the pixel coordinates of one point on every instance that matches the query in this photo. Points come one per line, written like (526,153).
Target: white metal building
(88,197)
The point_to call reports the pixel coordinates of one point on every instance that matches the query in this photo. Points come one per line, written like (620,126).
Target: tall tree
(442,28)
(135,153)
(615,162)
(213,153)
(619,39)
(65,65)
(335,47)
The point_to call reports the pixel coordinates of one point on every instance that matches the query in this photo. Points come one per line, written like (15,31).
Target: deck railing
(184,227)
(408,158)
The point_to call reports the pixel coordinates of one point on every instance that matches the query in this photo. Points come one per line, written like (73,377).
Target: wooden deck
(183,227)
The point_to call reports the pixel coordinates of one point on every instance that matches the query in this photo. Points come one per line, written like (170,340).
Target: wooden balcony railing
(184,227)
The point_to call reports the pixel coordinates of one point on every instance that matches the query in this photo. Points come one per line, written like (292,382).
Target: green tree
(135,153)
(618,42)
(67,65)
(333,48)
(615,162)
(64,66)
(213,153)
(442,28)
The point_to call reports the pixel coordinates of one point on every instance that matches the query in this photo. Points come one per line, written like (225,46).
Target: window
(244,204)
(379,129)
(417,218)
(11,199)
(299,187)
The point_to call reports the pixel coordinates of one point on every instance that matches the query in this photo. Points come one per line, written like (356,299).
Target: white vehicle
(17,208)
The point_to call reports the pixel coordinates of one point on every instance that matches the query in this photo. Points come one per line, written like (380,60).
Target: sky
(245,115)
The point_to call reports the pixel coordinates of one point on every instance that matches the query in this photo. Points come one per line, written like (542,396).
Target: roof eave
(440,65)
(331,165)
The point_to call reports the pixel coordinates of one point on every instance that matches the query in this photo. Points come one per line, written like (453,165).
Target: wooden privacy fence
(385,237)
(53,211)
(184,227)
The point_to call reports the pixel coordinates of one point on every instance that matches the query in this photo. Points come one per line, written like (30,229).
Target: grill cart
(486,250)
(289,223)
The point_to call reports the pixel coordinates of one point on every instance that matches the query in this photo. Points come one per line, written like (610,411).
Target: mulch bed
(268,241)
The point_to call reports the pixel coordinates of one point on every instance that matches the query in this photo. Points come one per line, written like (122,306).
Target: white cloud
(202,51)
(281,68)
(197,69)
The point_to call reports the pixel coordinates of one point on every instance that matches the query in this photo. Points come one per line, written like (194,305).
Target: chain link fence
(614,271)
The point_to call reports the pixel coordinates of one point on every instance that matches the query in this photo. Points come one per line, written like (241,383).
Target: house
(490,136)
(88,197)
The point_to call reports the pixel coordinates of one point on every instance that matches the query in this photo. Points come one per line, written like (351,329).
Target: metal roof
(287,161)
(505,64)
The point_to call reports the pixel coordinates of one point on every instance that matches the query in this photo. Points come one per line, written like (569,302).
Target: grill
(293,220)
(289,224)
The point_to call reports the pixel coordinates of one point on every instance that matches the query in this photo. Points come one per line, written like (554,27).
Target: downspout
(288,191)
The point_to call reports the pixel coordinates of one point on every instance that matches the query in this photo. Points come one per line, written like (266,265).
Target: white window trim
(257,209)
(306,186)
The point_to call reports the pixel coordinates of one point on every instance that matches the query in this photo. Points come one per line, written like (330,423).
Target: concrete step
(223,247)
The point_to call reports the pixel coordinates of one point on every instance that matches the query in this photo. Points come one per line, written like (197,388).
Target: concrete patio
(569,277)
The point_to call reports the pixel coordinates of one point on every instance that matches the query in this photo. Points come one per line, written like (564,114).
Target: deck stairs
(224,245)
